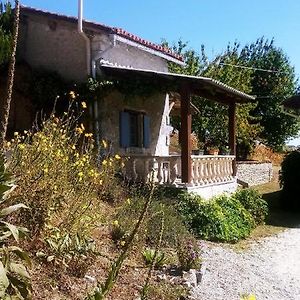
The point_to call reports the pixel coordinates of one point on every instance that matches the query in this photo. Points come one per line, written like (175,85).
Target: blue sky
(213,23)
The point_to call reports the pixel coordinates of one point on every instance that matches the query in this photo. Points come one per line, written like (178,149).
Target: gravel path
(270,269)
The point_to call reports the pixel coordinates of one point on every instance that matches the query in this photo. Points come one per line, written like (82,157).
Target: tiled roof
(98,26)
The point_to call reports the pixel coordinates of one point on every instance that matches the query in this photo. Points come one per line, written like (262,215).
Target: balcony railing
(166,170)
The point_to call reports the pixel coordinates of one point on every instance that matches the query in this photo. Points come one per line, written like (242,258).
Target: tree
(6,25)
(4,112)
(273,80)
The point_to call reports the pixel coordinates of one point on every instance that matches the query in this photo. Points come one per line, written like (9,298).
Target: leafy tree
(271,87)
(6,24)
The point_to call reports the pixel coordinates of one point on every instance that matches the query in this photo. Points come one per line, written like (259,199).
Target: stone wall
(254,172)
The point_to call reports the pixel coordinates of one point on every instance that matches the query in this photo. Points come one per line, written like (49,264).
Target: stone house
(138,129)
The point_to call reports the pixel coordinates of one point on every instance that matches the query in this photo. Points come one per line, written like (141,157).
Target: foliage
(148,255)
(271,89)
(289,181)
(188,252)
(253,203)
(14,277)
(6,25)
(221,219)
(60,181)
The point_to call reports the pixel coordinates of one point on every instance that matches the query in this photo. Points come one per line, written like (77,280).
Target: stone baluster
(146,170)
(173,169)
(134,172)
(194,171)
(201,171)
(160,171)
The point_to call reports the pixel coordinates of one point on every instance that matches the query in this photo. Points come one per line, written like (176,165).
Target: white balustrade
(166,170)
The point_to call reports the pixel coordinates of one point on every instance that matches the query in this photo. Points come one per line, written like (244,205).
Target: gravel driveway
(270,269)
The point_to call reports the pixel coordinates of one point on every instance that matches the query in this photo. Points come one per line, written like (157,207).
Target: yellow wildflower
(83,104)
(104,144)
(16,133)
(128,201)
(21,146)
(82,127)
(122,243)
(45,170)
(88,135)
(79,130)
(117,156)
(72,94)
(104,162)
(73,147)
(115,223)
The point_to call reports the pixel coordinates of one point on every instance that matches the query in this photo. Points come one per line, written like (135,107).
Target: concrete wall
(254,172)
(55,45)
(156,107)
(212,190)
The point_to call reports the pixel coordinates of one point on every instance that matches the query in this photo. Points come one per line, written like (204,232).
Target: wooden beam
(185,134)
(232,133)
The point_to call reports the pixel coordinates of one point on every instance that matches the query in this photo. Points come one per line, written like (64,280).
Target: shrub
(253,203)
(289,181)
(188,252)
(221,219)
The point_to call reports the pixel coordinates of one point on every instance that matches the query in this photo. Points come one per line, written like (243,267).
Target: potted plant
(213,150)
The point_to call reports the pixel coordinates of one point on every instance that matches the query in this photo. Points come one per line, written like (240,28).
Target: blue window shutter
(124,129)
(146,132)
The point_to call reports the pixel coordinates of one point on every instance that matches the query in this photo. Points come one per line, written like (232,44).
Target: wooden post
(232,133)
(186,130)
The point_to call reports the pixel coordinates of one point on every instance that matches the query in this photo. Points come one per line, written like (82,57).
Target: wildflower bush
(224,218)
(61,181)
(189,254)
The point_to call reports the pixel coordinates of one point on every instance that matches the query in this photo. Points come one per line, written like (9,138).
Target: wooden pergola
(187,86)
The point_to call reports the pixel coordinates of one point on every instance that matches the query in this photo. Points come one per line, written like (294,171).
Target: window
(134,129)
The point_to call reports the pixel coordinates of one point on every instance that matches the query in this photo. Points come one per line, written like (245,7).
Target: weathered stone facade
(254,172)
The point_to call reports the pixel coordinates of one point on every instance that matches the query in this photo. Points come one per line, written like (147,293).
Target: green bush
(290,182)
(223,218)
(253,203)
